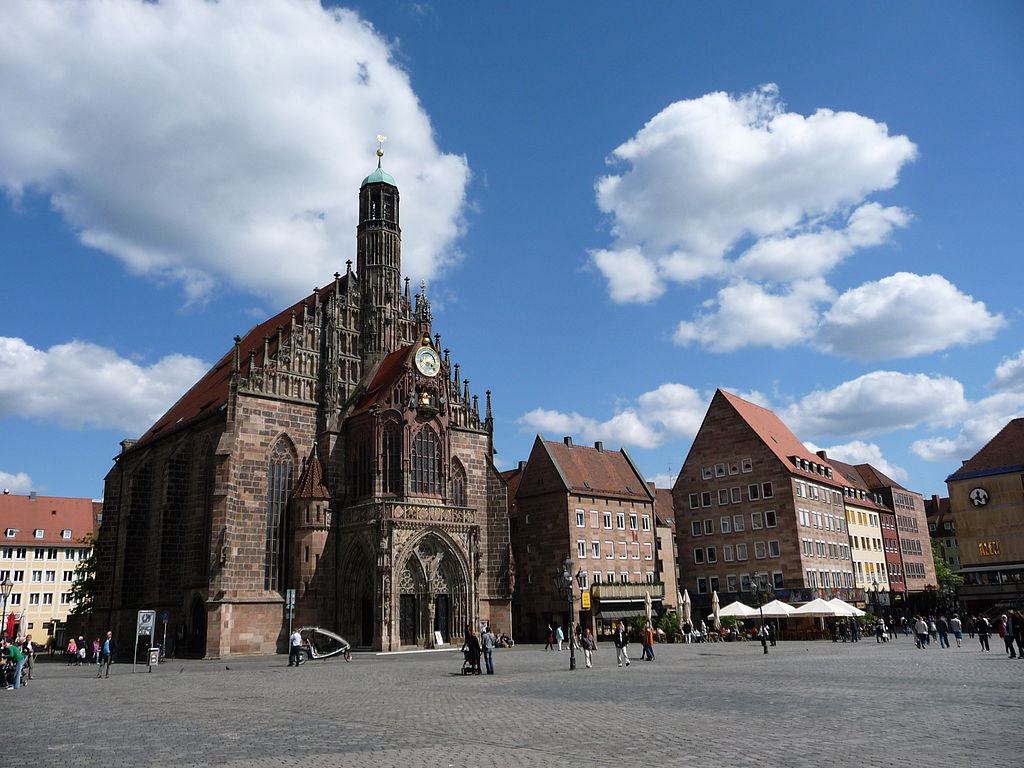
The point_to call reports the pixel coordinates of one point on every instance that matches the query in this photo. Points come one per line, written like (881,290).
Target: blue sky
(815,206)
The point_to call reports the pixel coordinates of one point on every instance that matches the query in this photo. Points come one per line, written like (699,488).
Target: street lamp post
(760,611)
(5,590)
(563,582)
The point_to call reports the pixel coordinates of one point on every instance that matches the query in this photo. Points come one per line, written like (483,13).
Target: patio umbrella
(684,601)
(777,609)
(737,609)
(715,610)
(816,607)
(843,608)
(647,605)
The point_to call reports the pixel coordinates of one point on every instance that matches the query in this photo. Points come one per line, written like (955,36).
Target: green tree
(943,575)
(83,590)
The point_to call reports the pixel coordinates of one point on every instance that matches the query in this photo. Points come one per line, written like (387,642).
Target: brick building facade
(334,451)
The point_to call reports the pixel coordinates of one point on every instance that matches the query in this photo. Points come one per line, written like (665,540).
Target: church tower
(378,265)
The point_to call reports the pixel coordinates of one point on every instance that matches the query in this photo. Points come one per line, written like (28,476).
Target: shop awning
(621,614)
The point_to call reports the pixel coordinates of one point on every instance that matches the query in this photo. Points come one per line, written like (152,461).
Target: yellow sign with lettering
(988,548)
(585,601)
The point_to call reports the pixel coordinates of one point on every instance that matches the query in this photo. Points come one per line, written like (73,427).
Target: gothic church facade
(334,451)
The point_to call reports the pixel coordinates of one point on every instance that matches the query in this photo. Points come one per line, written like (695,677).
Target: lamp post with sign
(563,580)
(5,590)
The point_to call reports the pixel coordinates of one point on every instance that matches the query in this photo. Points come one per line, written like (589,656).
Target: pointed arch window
(458,484)
(426,463)
(279,487)
(392,458)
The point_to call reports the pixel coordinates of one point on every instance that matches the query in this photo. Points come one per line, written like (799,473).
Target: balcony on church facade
(406,511)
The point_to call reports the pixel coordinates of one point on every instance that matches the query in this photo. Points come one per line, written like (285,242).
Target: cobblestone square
(805,704)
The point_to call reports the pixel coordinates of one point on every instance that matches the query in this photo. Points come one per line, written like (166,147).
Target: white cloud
(983,419)
(746,314)
(859,452)
(705,173)
(219,141)
(904,315)
(662,480)
(1009,374)
(78,384)
(631,276)
(877,402)
(668,412)
(16,483)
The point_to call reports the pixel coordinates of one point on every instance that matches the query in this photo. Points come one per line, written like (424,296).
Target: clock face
(427,361)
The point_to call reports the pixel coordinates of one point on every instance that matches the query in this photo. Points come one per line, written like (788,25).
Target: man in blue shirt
(107,651)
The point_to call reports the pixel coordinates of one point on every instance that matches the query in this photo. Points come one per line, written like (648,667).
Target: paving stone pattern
(805,704)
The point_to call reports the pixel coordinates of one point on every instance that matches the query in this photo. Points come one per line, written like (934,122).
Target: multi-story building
(665,545)
(986,498)
(44,540)
(754,506)
(594,506)
(869,546)
(911,527)
(942,528)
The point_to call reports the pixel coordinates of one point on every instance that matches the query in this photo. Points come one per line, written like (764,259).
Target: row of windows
(812,466)
(863,518)
(819,548)
(734,524)
(915,570)
(817,493)
(609,578)
(762,550)
(863,542)
(829,579)
(858,493)
(42,553)
(594,550)
(906,523)
(732,495)
(902,500)
(39,533)
(620,520)
(811,519)
(742,582)
(727,468)
(37,598)
(912,546)
(37,576)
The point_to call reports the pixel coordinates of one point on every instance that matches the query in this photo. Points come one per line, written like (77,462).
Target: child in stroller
(471,653)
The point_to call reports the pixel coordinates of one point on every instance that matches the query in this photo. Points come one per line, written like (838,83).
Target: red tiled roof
(664,506)
(211,392)
(847,475)
(512,478)
(390,368)
(50,514)
(311,482)
(602,473)
(1003,453)
(874,478)
(776,435)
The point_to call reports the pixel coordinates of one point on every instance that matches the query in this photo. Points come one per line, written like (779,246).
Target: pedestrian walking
(933,631)
(487,643)
(921,630)
(471,649)
(28,648)
(559,636)
(72,652)
(943,629)
(984,629)
(96,652)
(906,625)
(13,653)
(763,634)
(551,639)
(957,628)
(688,632)
(648,642)
(107,651)
(621,645)
(1006,632)
(1018,631)
(589,644)
(295,649)
(880,631)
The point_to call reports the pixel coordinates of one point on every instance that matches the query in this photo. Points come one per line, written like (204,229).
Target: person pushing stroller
(471,652)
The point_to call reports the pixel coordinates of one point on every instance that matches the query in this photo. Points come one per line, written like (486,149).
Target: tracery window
(426,463)
(279,487)
(392,458)
(458,484)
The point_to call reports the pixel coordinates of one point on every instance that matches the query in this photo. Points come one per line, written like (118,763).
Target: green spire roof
(377,177)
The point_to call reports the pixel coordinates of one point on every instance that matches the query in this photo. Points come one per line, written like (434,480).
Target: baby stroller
(471,662)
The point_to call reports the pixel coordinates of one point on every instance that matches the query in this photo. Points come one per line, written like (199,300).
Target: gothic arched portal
(433,593)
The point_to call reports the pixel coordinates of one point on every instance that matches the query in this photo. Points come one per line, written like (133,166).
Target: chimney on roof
(598,445)
(31,495)
(126,444)
(567,440)
(522,465)
(822,455)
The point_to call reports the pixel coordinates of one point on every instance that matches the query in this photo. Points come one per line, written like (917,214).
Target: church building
(332,451)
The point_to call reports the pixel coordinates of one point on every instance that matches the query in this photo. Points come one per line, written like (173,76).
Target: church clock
(427,361)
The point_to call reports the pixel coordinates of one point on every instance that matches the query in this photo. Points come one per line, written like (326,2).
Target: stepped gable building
(44,540)
(594,506)
(911,527)
(332,451)
(874,542)
(986,498)
(755,508)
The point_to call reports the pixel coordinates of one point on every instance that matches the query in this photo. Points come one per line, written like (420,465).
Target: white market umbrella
(737,609)
(777,609)
(715,610)
(647,605)
(684,602)
(816,607)
(843,608)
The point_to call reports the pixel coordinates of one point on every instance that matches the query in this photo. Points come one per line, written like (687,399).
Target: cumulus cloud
(219,141)
(18,482)
(1009,374)
(671,411)
(746,314)
(904,315)
(78,384)
(982,420)
(859,452)
(877,402)
(705,173)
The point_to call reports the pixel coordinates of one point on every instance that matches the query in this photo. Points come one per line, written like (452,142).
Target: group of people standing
(99,652)
(1009,626)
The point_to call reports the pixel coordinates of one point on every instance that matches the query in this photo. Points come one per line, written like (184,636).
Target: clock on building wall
(978,497)
(427,361)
